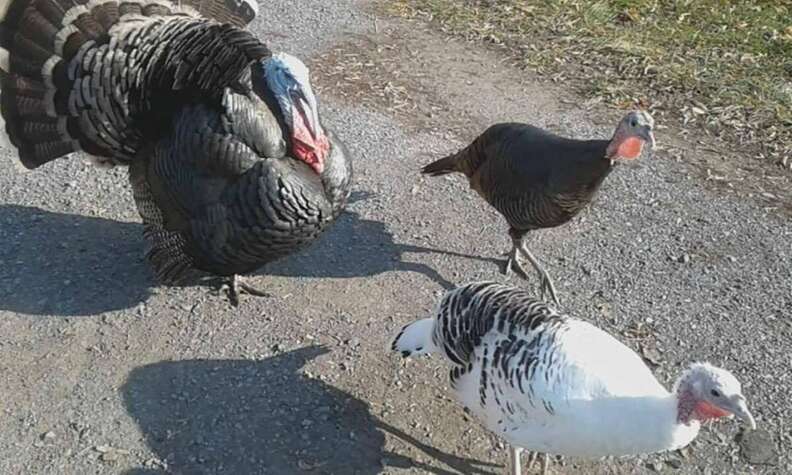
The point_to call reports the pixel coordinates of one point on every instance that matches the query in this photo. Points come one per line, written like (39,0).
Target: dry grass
(717,65)
(370,74)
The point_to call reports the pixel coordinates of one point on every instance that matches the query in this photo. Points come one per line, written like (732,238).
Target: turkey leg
(514,460)
(237,286)
(545,282)
(519,246)
(513,262)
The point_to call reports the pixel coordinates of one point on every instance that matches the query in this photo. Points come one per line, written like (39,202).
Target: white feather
(72,14)
(4,6)
(253,6)
(4,140)
(61,36)
(5,59)
(415,338)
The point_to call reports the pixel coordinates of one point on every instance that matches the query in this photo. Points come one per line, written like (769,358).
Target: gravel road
(104,371)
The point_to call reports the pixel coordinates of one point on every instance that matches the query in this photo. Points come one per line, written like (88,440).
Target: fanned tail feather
(236,12)
(43,43)
(441,167)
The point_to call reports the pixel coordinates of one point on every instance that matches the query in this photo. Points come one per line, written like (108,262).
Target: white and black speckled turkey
(229,163)
(554,384)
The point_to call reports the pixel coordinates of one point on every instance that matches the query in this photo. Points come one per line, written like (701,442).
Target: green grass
(725,66)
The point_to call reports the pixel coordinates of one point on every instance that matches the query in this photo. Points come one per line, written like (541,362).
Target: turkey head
(288,79)
(634,130)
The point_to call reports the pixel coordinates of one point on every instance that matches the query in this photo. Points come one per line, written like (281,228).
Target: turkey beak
(740,409)
(648,136)
(310,110)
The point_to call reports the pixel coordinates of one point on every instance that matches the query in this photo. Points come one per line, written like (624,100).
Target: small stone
(651,355)
(683,259)
(48,435)
(655,466)
(674,463)
(353,342)
(757,447)
(153,463)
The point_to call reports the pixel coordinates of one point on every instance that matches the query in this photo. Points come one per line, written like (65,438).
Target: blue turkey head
(288,79)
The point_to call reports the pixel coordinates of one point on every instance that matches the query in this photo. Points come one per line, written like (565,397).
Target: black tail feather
(43,44)
(441,167)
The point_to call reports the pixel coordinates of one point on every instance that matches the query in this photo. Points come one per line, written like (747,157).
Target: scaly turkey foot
(546,285)
(545,282)
(237,286)
(513,264)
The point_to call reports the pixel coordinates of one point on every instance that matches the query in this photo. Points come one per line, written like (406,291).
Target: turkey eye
(633,123)
(715,393)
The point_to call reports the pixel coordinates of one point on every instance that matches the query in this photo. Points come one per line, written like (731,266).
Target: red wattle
(630,148)
(304,147)
(705,411)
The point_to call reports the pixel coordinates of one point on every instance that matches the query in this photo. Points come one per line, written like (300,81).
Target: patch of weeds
(722,66)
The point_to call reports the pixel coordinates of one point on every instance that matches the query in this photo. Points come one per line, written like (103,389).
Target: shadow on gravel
(66,264)
(71,265)
(242,416)
(356,247)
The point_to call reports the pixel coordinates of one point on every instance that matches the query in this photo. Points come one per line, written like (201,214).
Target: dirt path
(103,371)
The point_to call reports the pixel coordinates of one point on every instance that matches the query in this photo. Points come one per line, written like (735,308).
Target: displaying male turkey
(550,383)
(229,163)
(536,179)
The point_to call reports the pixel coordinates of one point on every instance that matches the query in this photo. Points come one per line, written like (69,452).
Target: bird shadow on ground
(246,416)
(66,264)
(358,247)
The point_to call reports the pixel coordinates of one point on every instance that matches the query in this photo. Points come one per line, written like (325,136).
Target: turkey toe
(237,286)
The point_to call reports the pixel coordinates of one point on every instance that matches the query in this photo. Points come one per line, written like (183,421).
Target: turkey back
(89,75)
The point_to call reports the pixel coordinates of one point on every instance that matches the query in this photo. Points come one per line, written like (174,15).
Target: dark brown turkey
(229,164)
(536,179)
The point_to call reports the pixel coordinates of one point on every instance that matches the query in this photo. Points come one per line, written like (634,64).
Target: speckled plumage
(545,381)
(535,179)
(98,77)
(177,95)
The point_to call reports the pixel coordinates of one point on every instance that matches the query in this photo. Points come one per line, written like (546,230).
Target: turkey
(229,163)
(536,179)
(554,384)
